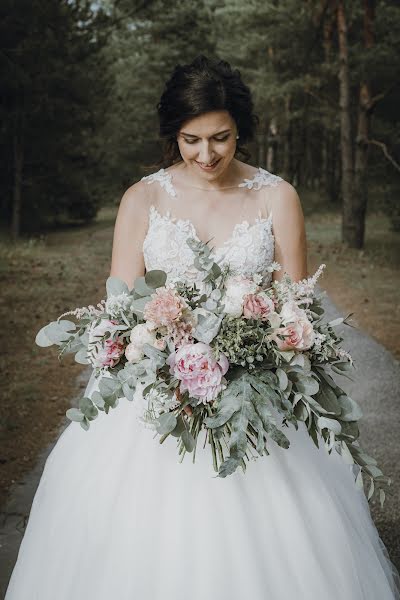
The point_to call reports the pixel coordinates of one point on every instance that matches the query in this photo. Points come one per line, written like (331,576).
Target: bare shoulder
(137,199)
(284,199)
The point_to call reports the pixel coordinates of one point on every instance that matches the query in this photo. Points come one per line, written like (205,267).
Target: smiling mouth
(209,166)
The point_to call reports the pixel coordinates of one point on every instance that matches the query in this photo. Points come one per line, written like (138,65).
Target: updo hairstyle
(197,88)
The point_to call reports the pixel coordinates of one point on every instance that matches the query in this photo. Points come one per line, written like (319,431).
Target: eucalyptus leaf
(272,430)
(188,440)
(228,467)
(166,423)
(58,331)
(142,288)
(373,470)
(41,338)
(331,424)
(180,426)
(85,424)
(155,278)
(88,408)
(74,414)
(157,357)
(207,327)
(305,384)
(98,400)
(128,392)
(326,397)
(228,405)
(116,286)
(138,306)
(81,357)
(108,386)
(301,412)
(350,409)
(282,378)
(315,405)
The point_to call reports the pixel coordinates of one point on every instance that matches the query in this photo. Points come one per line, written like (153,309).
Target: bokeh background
(79,86)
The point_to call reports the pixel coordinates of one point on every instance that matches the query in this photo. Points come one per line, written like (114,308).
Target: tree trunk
(18,151)
(271,158)
(349,217)
(286,141)
(363,129)
(262,144)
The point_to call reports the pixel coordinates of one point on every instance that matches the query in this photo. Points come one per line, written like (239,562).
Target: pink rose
(198,370)
(165,307)
(297,336)
(298,331)
(257,306)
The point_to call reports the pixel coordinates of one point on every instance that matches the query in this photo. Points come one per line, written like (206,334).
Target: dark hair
(199,87)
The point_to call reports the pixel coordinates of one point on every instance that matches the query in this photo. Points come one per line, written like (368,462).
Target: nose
(206,153)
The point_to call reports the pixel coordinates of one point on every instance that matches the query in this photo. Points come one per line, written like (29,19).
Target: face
(208,143)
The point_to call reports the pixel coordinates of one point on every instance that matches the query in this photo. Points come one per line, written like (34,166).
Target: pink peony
(257,306)
(107,354)
(198,370)
(165,307)
(104,353)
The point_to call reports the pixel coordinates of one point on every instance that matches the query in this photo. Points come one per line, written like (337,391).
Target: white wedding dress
(116,516)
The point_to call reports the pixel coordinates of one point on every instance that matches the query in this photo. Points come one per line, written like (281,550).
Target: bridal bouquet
(219,356)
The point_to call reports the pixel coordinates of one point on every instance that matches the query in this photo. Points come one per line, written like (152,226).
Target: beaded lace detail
(248,250)
(164,179)
(261,178)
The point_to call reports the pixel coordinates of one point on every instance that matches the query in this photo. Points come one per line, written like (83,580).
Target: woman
(116,515)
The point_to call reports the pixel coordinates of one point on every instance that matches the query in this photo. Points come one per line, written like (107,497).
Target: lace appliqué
(249,249)
(261,178)
(164,179)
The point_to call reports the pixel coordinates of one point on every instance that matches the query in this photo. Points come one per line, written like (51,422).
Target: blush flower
(140,335)
(104,353)
(165,307)
(200,373)
(298,331)
(257,306)
(237,287)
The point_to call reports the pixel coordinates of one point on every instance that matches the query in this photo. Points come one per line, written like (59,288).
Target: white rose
(236,289)
(133,353)
(292,313)
(142,334)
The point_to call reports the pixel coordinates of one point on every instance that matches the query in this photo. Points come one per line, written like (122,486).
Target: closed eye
(216,139)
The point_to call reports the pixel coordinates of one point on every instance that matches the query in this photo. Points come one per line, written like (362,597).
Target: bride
(116,516)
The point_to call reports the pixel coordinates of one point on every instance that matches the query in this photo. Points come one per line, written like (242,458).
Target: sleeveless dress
(117,516)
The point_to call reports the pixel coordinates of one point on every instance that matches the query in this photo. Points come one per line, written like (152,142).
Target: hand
(188,409)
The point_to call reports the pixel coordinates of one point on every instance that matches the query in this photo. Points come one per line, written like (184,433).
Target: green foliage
(53,99)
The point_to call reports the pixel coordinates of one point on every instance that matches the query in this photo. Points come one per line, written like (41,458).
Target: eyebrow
(195,136)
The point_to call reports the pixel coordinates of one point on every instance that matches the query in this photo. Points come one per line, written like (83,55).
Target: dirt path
(41,280)
(365,282)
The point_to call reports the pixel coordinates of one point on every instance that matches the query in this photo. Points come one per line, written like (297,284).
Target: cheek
(187,152)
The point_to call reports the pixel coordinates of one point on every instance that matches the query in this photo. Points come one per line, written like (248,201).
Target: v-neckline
(178,221)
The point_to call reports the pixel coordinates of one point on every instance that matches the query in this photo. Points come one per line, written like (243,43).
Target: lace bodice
(249,249)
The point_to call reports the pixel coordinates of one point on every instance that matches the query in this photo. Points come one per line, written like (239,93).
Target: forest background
(78,125)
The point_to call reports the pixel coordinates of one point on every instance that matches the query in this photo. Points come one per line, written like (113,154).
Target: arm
(131,225)
(289,231)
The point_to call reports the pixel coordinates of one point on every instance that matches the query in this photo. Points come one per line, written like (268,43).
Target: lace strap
(163,178)
(262,177)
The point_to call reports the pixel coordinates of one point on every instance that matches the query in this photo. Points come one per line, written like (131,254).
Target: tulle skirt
(117,516)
